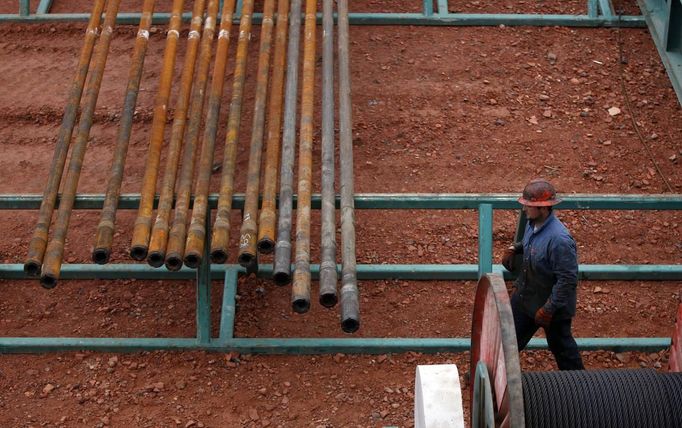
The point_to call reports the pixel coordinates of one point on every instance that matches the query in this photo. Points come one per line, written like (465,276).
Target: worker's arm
(564,262)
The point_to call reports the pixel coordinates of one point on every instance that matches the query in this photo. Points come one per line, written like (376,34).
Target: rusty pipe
(300,293)
(266,220)
(36,248)
(350,302)
(55,248)
(282,266)
(249,230)
(143,222)
(221,227)
(105,230)
(157,245)
(176,238)
(197,228)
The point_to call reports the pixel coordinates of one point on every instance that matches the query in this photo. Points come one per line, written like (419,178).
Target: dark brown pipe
(105,230)
(36,248)
(55,249)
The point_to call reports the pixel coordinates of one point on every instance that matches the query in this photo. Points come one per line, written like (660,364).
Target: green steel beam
(228,309)
(485,239)
(592,8)
(412,272)
(393,201)
(605,8)
(24,8)
(44,7)
(451,19)
(664,19)
(301,346)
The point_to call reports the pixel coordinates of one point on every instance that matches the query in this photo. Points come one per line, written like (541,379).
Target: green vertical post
(44,7)
(227,312)
(203,310)
(592,8)
(485,239)
(605,7)
(24,7)
(428,7)
(442,7)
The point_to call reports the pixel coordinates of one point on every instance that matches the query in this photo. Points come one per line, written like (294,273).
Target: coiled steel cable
(602,398)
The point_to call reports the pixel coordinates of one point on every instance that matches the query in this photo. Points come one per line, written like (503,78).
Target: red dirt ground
(473,110)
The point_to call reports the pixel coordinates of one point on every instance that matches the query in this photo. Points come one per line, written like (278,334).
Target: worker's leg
(563,346)
(525,325)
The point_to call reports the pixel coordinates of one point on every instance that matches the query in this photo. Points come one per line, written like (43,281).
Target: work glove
(509,255)
(543,317)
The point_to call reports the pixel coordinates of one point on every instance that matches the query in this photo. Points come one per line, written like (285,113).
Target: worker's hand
(543,317)
(509,253)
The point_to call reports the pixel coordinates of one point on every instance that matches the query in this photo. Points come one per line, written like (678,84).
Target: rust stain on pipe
(176,238)
(105,230)
(143,223)
(300,297)
(196,235)
(36,248)
(249,230)
(221,227)
(267,218)
(55,248)
(157,245)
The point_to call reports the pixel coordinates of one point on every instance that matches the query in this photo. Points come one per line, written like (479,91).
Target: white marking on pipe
(194,34)
(107,31)
(196,20)
(91,31)
(267,20)
(210,23)
(224,34)
(173,33)
(143,33)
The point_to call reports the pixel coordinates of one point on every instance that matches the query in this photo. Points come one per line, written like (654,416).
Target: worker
(545,290)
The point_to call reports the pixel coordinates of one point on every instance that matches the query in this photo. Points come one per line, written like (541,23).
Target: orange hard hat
(539,193)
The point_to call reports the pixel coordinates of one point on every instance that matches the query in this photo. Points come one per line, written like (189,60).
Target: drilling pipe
(157,245)
(282,265)
(221,228)
(249,230)
(105,230)
(143,223)
(197,229)
(36,248)
(55,249)
(266,220)
(328,276)
(350,303)
(176,239)
(300,293)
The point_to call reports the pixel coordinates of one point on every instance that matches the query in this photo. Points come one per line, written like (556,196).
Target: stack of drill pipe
(176,240)
(55,249)
(197,230)
(300,294)
(282,265)
(105,230)
(221,227)
(36,249)
(328,276)
(350,303)
(143,222)
(249,229)
(266,220)
(157,246)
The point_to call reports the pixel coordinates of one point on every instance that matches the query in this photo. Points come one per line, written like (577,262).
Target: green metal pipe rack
(484,204)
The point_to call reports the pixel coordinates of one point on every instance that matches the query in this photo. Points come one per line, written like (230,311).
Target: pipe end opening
(219,256)
(32,268)
(281,278)
(138,252)
(192,260)
(300,306)
(155,259)
(173,262)
(266,246)
(328,300)
(350,325)
(246,259)
(48,281)
(101,256)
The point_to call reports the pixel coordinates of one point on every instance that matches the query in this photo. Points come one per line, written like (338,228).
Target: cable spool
(503,396)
